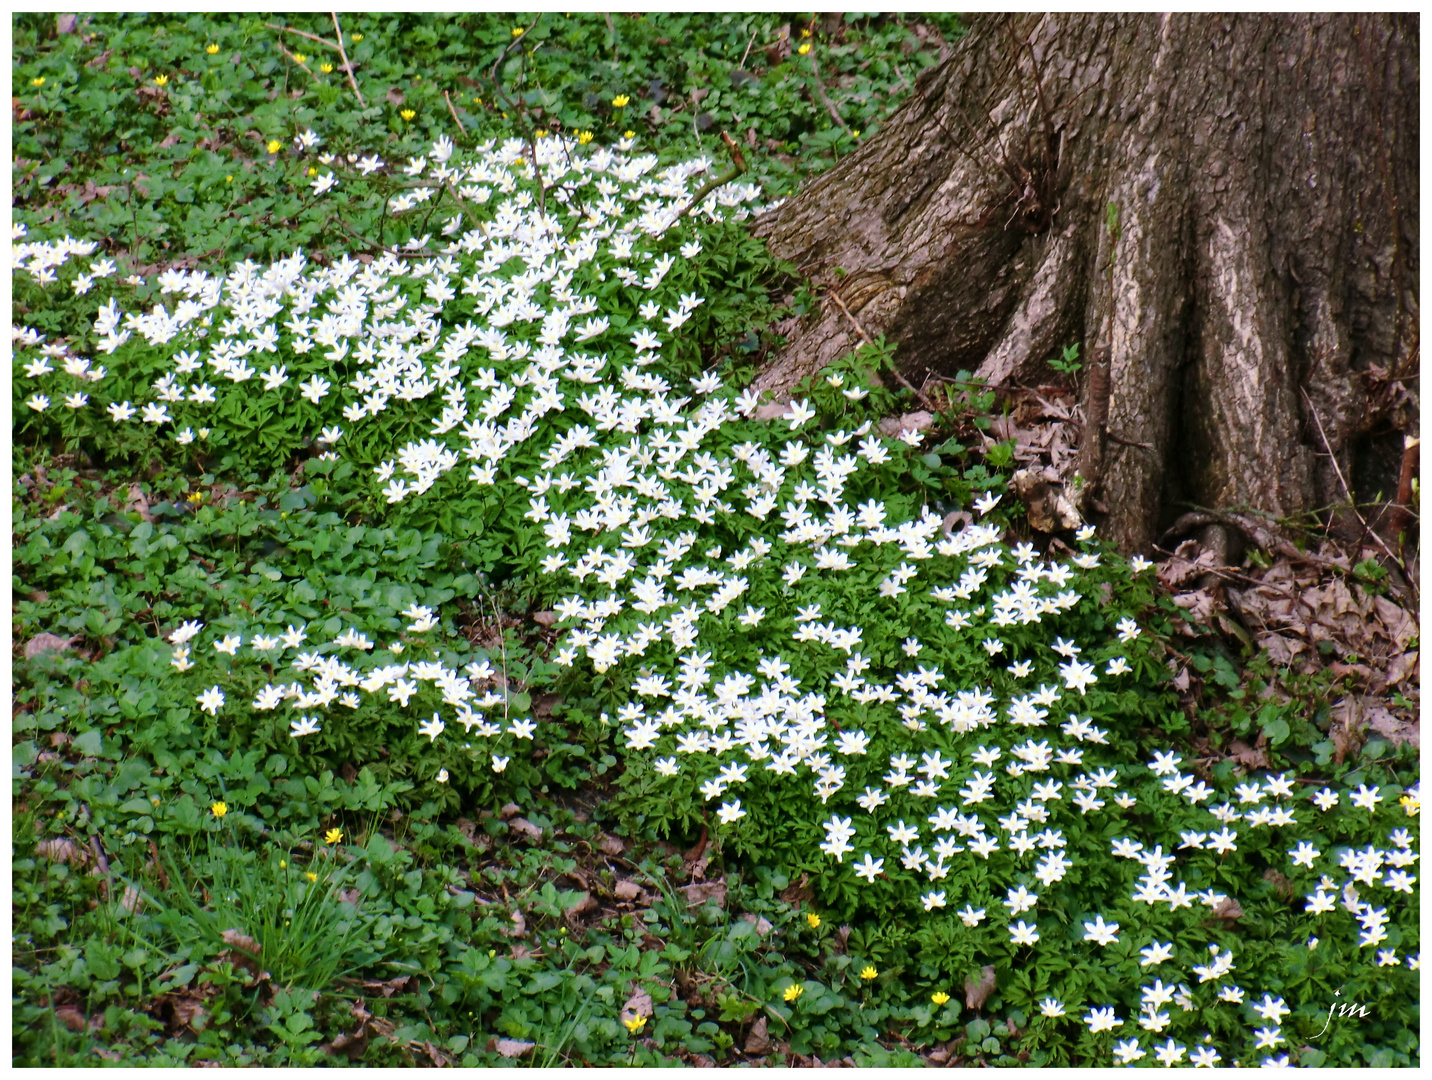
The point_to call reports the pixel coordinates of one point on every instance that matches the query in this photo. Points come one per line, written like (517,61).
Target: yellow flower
(219,809)
(327,69)
(517,31)
(198,496)
(357,37)
(635,1024)
(812,919)
(477,101)
(855,134)
(212,50)
(543,134)
(300,58)
(407,114)
(161,80)
(310,875)
(274,146)
(868,972)
(229,179)
(584,137)
(312,171)
(939,997)
(628,134)
(804,48)
(805,32)
(1410,804)
(620,100)
(39,81)
(335,836)
(793,991)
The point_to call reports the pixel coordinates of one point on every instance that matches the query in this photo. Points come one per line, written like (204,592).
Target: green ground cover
(428,650)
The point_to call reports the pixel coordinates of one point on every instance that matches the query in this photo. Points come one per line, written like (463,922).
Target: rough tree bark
(1223,207)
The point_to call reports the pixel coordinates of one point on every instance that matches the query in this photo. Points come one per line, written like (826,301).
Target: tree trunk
(1222,208)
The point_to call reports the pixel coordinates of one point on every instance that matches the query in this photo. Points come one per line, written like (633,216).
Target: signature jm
(1341,1009)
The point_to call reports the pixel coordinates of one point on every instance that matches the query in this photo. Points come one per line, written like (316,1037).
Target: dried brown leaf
(630,891)
(71,1017)
(42,643)
(758,1040)
(526,828)
(510,1048)
(978,988)
(760,922)
(700,892)
(62,850)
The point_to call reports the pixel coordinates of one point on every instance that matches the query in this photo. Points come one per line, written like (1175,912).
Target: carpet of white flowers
(790,638)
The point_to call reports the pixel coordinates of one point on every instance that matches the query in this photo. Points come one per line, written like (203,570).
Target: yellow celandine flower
(333,836)
(620,101)
(212,50)
(805,32)
(584,137)
(628,134)
(327,69)
(517,31)
(161,80)
(804,48)
(300,58)
(793,991)
(357,37)
(812,919)
(477,101)
(219,809)
(407,114)
(310,875)
(855,134)
(312,171)
(635,1024)
(868,972)
(274,146)
(38,81)
(283,864)
(939,997)
(1411,804)
(229,179)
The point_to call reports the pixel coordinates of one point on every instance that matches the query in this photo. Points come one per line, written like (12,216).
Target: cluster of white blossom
(632,472)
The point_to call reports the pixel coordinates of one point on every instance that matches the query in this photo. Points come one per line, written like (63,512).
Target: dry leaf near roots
(979,987)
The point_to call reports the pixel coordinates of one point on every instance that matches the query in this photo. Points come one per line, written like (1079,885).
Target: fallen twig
(906,383)
(347,67)
(738,166)
(303,34)
(1348,491)
(825,100)
(455,118)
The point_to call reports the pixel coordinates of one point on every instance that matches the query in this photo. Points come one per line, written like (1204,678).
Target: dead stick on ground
(906,383)
(454,114)
(820,89)
(738,166)
(742,65)
(1346,490)
(296,60)
(347,67)
(302,34)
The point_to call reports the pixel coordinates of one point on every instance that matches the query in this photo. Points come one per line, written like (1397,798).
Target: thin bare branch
(347,67)
(455,119)
(825,99)
(906,383)
(1348,491)
(302,34)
